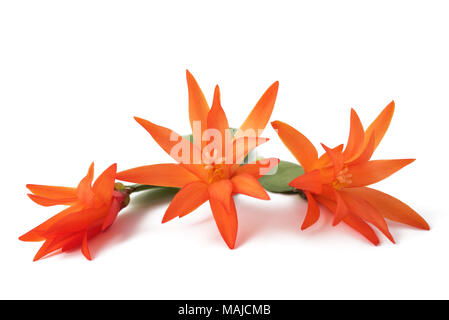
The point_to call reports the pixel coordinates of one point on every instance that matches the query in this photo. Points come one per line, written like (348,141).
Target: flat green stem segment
(279,177)
(139,187)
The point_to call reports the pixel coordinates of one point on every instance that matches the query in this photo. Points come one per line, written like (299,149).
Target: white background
(73,74)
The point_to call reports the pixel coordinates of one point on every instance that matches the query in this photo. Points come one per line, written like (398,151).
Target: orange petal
(356,137)
(259,168)
(366,153)
(261,113)
(198,107)
(175,145)
(298,144)
(310,181)
(221,191)
(362,227)
(336,158)
(341,210)
(164,175)
(52,192)
(241,147)
(313,211)
(104,185)
(190,197)
(370,172)
(43,250)
(366,211)
(72,242)
(60,242)
(247,184)
(38,233)
(216,120)
(85,248)
(351,220)
(57,243)
(113,211)
(380,125)
(390,207)
(32,236)
(46,202)
(77,221)
(324,160)
(226,220)
(84,190)
(168,139)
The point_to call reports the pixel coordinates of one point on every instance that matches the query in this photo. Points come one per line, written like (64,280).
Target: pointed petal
(190,197)
(259,168)
(390,207)
(72,241)
(226,220)
(216,120)
(113,211)
(168,139)
(362,227)
(247,184)
(38,233)
(60,242)
(85,248)
(301,148)
(46,202)
(370,172)
(104,185)
(241,147)
(223,210)
(336,159)
(76,239)
(342,209)
(324,160)
(351,220)
(198,107)
(261,113)
(356,137)
(52,192)
(84,190)
(366,153)
(310,181)
(77,221)
(31,236)
(164,175)
(380,125)
(175,145)
(221,191)
(313,211)
(366,211)
(44,250)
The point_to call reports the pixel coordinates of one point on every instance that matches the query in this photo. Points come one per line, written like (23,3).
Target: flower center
(343,179)
(216,170)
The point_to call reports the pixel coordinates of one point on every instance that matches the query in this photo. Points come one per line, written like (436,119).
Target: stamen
(343,179)
(216,170)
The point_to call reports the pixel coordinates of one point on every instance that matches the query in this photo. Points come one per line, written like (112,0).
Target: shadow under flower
(270,219)
(285,218)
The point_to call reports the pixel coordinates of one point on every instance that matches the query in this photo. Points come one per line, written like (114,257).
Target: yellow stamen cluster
(217,170)
(343,179)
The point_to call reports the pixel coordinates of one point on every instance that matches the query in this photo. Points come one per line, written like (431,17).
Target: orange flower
(209,171)
(339,178)
(92,209)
